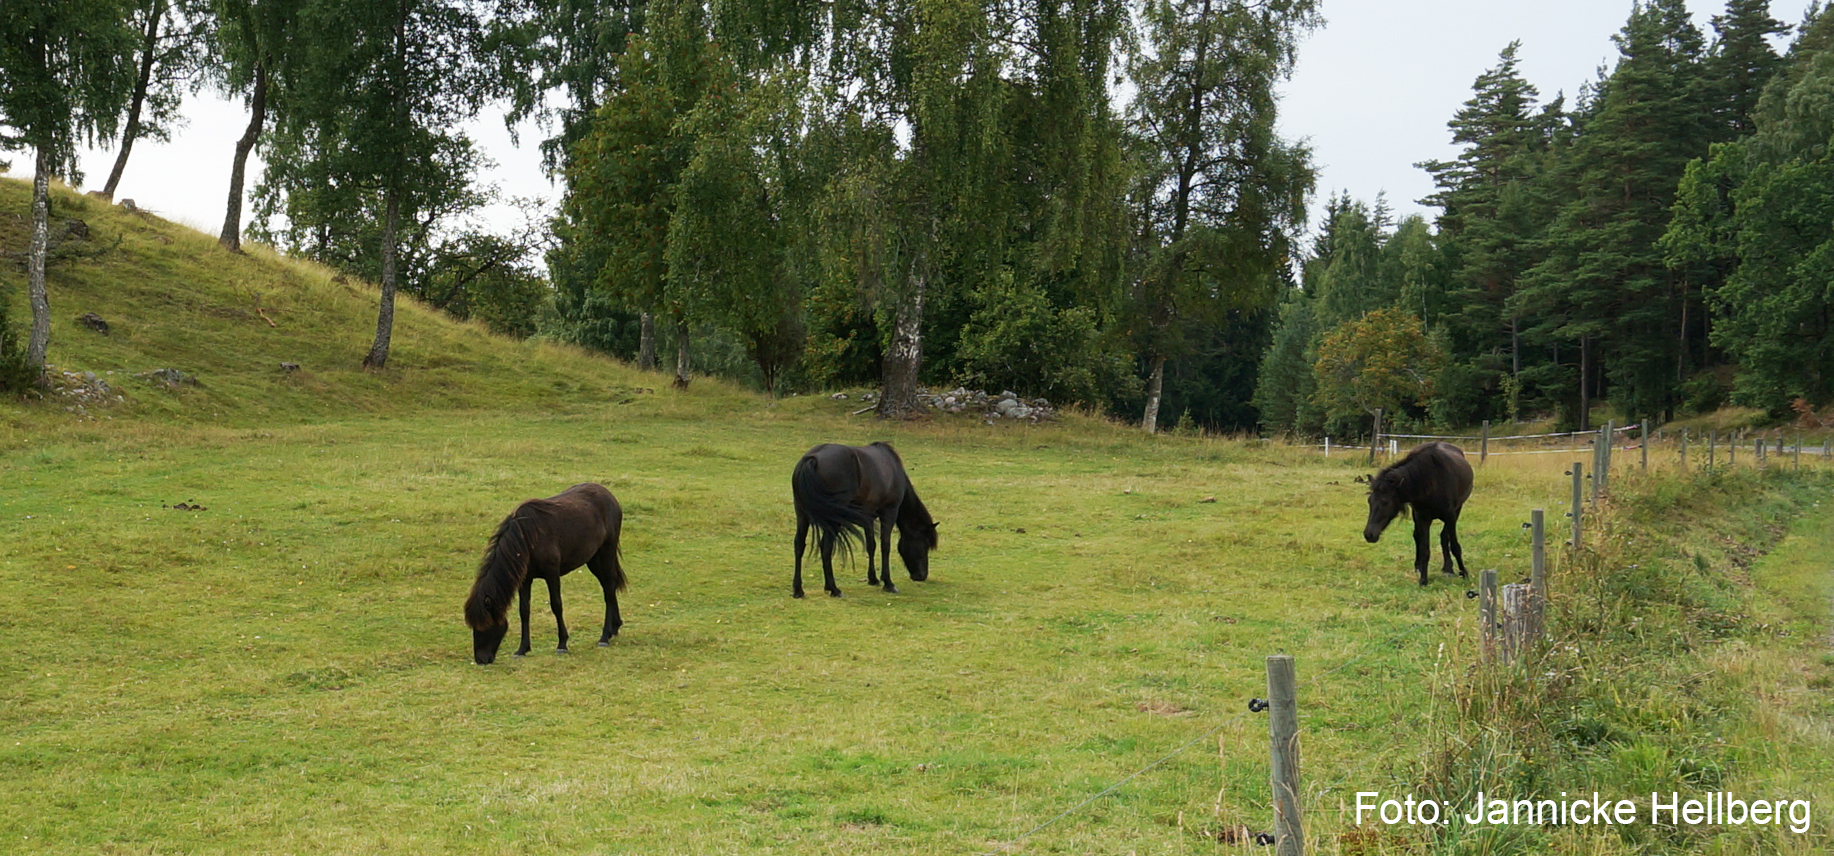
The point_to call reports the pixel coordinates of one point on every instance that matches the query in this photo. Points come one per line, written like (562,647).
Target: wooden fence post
(1483,446)
(1579,477)
(1375,438)
(1537,569)
(1487,614)
(1601,473)
(1712,442)
(1732,450)
(1796,462)
(1684,450)
(1645,445)
(1283,756)
(1521,618)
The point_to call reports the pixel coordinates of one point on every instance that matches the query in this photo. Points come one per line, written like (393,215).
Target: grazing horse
(1435,480)
(545,539)
(842,491)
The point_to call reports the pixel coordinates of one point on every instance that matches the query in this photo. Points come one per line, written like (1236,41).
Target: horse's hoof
(835,593)
(562,651)
(891,589)
(798,595)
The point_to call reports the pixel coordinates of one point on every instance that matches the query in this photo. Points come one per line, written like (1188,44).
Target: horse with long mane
(1435,479)
(546,539)
(842,491)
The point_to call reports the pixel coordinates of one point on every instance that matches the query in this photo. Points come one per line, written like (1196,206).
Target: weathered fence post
(1684,450)
(1376,437)
(1483,445)
(1796,462)
(1645,445)
(1521,614)
(1601,474)
(1537,569)
(1486,612)
(1732,450)
(1283,756)
(1712,442)
(1763,454)
(1327,447)
(1578,474)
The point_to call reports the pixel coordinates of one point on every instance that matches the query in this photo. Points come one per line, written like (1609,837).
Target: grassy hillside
(173,299)
(285,670)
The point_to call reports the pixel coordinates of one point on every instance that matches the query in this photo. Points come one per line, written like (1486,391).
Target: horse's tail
(506,561)
(614,576)
(828,511)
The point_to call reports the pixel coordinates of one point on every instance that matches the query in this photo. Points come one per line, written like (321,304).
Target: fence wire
(1211,732)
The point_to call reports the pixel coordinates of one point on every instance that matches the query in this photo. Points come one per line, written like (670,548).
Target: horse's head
(1385,504)
(914,546)
(484,643)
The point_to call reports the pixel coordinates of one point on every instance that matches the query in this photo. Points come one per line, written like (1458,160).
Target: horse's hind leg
(601,567)
(827,565)
(560,623)
(871,578)
(522,601)
(802,544)
(1448,544)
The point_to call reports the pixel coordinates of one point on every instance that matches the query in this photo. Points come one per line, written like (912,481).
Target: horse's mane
(506,561)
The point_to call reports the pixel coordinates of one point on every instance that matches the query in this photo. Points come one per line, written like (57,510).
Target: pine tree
(1495,207)
(1604,287)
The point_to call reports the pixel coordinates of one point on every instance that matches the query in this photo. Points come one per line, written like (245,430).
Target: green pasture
(286,670)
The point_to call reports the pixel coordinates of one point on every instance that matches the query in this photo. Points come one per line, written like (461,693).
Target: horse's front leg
(554,604)
(1448,544)
(1423,544)
(885,547)
(802,543)
(522,601)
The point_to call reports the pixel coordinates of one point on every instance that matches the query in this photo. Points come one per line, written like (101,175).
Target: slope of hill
(173,299)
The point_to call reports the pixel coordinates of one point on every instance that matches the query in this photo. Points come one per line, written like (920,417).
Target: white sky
(1372,93)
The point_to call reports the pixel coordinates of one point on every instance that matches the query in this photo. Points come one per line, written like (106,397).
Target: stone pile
(80,391)
(1006,405)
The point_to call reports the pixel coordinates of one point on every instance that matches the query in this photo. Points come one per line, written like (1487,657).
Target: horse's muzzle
(484,644)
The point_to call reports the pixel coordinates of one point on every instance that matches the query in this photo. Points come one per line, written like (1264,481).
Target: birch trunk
(40,338)
(385,316)
(898,395)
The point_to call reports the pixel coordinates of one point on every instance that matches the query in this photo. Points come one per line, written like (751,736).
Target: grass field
(286,670)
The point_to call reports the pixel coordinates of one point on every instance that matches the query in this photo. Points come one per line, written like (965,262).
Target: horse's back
(574,523)
(1451,460)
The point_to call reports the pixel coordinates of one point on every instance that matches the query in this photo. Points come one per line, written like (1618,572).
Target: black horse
(1435,479)
(546,539)
(842,491)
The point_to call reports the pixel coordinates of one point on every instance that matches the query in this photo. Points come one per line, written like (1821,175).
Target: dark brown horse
(545,539)
(1435,480)
(842,491)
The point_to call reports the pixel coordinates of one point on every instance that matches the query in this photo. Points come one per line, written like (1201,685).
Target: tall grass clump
(1653,678)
